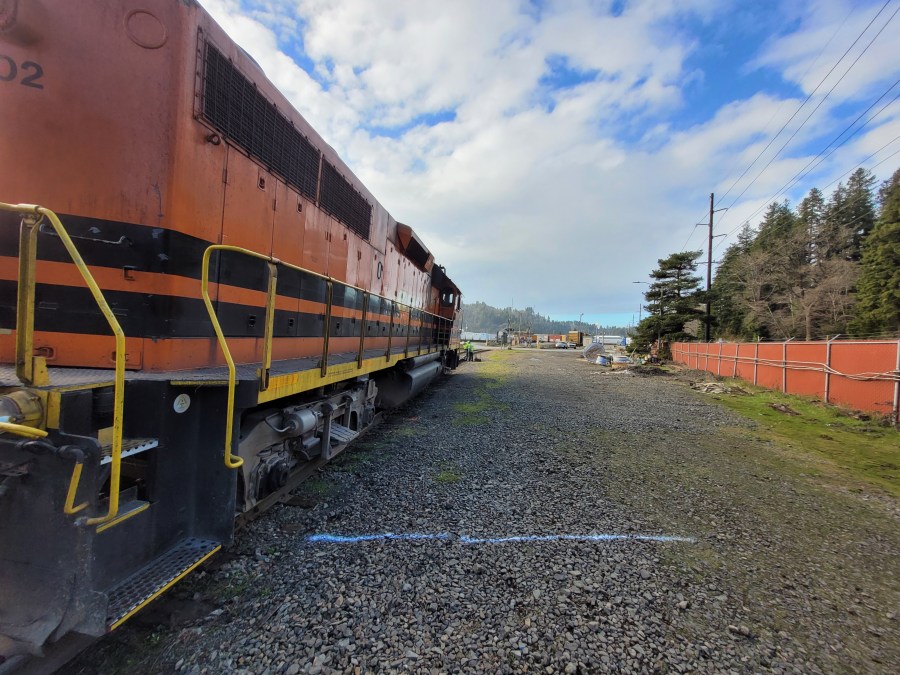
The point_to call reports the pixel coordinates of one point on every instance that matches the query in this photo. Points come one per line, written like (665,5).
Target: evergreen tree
(831,241)
(811,214)
(849,217)
(878,309)
(860,215)
(673,299)
(728,308)
(798,288)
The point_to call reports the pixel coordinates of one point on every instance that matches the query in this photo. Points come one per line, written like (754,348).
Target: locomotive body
(205,303)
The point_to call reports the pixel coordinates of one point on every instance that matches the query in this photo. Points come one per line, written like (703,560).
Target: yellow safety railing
(233,461)
(31,370)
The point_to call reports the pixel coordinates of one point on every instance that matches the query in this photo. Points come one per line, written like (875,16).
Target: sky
(549,153)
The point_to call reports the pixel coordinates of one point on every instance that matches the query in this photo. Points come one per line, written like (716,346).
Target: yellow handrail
(326,328)
(231,461)
(234,461)
(32,216)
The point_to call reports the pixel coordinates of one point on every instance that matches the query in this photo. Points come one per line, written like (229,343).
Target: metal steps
(138,590)
(341,435)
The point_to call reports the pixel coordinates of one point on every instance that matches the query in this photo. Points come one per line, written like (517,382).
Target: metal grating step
(130,446)
(127,509)
(341,434)
(143,586)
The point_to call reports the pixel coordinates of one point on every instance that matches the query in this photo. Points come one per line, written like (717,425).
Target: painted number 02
(29,71)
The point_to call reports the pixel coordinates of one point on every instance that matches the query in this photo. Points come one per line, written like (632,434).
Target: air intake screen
(234,106)
(342,201)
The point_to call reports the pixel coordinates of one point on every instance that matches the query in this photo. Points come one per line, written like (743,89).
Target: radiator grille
(234,106)
(342,201)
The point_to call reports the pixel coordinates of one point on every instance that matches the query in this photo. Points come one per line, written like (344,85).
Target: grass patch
(350,460)
(402,431)
(866,449)
(477,412)
(316,486)
(237,585)
(493,374)
(448,476)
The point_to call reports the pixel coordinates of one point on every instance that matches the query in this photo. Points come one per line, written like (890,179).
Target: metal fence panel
(864,375)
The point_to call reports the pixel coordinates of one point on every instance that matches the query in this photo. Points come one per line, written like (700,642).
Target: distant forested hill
(479,317)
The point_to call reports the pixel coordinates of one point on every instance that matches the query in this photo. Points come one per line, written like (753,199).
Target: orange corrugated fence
(863,374)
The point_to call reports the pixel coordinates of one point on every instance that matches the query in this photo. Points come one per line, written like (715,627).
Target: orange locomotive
(203,304)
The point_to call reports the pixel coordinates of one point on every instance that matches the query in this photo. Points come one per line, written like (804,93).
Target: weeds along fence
(863,375)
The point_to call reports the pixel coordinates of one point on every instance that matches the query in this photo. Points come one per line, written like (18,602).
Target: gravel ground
(785,570)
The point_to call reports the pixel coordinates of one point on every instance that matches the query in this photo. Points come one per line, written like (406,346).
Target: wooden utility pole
(709,266)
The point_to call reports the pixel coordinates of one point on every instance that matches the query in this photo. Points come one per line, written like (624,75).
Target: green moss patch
(829,437)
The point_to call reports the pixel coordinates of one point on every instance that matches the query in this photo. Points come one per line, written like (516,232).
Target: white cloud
(530,189)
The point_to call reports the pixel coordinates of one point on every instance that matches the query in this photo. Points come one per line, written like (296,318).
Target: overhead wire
(849,204)
(799,108)
(827,94)
(822,156)
(811,94)
(893,140)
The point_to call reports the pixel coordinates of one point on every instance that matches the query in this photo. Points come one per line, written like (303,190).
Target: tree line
(479,317)
(830,266)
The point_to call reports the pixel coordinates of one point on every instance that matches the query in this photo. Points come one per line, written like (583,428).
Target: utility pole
(709,266)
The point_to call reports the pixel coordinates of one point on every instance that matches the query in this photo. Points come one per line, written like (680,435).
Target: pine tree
(672,300)
(811,214)
(795,279)
(849,217)
(878,307)
(861,214)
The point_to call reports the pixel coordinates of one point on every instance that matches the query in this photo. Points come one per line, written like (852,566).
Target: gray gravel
(783,575)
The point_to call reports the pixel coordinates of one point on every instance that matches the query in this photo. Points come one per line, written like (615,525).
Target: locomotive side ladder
(32,370)
(165,568)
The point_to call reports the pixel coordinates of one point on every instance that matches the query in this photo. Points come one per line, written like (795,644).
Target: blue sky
(551,152)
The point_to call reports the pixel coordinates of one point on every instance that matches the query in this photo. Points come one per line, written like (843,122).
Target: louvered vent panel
(234,106)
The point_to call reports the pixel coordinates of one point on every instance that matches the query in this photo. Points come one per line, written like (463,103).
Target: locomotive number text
(28,73)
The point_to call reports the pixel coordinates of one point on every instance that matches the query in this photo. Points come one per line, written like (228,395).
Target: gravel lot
(785,571)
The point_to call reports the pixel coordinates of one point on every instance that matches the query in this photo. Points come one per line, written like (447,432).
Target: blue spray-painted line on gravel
(465,539)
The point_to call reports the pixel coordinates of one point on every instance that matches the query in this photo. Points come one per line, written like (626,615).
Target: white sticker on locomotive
(182,403)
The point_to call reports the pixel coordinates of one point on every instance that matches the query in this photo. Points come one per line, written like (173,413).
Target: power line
(822,156)
(781,105)
(895,138)
(800,107)
(804,172)
(842,143)
(828,93)
(831,214)
(841,209)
